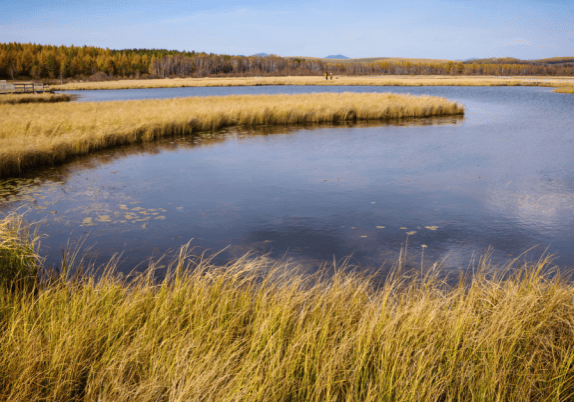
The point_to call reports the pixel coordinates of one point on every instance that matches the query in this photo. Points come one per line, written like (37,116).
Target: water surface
(500,177)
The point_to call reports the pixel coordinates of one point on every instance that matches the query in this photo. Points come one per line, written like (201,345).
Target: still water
(502,176)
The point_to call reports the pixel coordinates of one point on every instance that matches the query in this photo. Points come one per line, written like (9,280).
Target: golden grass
(34,98)
(18,254)
(389,80)
(256,330)
(67,130)
(565,89)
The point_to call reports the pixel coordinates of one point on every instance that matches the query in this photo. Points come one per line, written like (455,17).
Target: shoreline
(263,328)
(318,81)
(11,99)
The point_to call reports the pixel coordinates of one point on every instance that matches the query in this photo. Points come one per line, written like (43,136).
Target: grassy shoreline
(387,80)
(71,129)
(256,330)
(565,90)
(34,98)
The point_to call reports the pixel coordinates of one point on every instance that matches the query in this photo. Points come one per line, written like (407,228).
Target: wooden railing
(23,87)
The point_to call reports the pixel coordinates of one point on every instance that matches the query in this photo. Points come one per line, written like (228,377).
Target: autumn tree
(51,66)
(154,66)
(47,61)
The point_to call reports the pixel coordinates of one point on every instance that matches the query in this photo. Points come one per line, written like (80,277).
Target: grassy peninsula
(255,330)
(388,80)
(565,89)
(70,129)
(34,98)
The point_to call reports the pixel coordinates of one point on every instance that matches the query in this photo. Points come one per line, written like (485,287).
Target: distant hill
(336,56)
(261,54)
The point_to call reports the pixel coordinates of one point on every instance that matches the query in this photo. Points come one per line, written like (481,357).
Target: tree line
(21,60)
(382,67)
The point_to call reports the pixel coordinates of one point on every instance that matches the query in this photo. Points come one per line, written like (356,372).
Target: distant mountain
(261,54)
(336,56)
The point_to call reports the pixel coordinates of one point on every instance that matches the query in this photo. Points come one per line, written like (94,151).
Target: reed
(34,98)
(565,89)
(36,135)
(256,330)
(386,80)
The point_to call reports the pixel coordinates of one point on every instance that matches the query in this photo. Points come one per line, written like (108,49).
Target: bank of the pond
(34,98)
(386,80)
(36,135)
(257,330)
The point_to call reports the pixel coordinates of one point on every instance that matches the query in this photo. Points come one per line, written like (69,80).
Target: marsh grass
(385,80)
(34,98)
(19,261)
(565,89)
(39,134)
(258,330)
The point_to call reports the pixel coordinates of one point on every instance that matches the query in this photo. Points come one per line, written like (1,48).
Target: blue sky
(444,29)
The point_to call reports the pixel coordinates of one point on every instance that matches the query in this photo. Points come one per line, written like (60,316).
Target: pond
(500,177)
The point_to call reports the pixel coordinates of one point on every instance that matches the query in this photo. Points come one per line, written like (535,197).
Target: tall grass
(390,80)
(34,98)
(35,135)
(19,261)
(257,330)
(565,89)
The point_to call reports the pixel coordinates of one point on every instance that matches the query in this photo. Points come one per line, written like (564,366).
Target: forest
(34,61)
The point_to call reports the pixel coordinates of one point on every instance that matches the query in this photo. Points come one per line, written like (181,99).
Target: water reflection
(76,200)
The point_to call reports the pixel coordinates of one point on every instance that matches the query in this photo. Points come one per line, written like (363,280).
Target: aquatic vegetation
(565,89)
(66,130)
(34,98)
(390,80)
(259,330)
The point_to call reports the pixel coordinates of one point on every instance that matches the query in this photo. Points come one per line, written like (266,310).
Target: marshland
(283,189)
(68,130)
(385,80)
(34,98)
(257,329)
(184,219)
(249,210)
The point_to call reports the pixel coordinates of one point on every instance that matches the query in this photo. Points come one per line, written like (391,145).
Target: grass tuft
(19,261)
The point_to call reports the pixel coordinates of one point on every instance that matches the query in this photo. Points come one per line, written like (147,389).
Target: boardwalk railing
(23,87)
